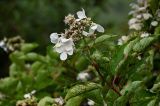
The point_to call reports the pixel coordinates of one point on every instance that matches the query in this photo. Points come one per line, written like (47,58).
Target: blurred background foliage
(35,20)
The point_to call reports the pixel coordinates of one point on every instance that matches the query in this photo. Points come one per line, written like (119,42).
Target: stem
(103,79)
(99,73)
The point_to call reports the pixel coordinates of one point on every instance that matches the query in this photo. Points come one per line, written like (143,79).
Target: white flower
(132,21)
(122,40)
(83,76)
(136,26)
(59,100)
(3,46)
(64,47)
(54,37)
(145,34)
(29,95)
(139,16)
(81,15)
(91,102)
(154,23)
(139,58)
(94,27)
(146,16)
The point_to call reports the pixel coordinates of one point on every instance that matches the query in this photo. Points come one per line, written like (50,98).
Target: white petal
(94,26)
(81,14)
(100,28)
(70,52)
(85,33)
(146,16)
(27,96)
(59,49)
(63,56)
(54,37)
(154,23)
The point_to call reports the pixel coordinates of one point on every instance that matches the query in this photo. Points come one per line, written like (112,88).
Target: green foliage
(116,75)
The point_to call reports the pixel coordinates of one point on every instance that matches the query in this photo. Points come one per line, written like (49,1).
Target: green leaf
(117,60)
(126,92)
(142,44)
(96,96)
(80,89)
(129,46)
(46,101)
(33,57)
(103,38)
(152,102)
(156,87)
(75,101)
(154,5)
(27,47)
(131,87)
(7,83)
(111,97)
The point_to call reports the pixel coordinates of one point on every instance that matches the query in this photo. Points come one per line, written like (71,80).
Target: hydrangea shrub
(86,66)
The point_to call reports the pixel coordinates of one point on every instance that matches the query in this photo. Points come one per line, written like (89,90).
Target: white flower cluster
(29,95)
(64,43)
(59,101)
(140,14)
(83,76)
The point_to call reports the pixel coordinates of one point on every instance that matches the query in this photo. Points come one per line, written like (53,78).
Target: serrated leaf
(103,38)
(142,44)
(80,89)
(131,87)
(129,46)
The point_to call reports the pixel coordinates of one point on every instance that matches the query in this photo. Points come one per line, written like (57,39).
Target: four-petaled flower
(81,15)
(94,27)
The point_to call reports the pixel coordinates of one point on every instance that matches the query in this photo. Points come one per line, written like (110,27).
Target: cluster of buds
(140,14)
(64,42)
(11,44)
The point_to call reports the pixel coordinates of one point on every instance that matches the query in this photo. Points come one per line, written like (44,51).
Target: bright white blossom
(29,95)
(154,23)
(146,16)
(3,46)
(145,34)
(139,58)
(83,76)
(90,102)
(64,47)
(94,27)
(81,15)
(59,100)
(54,37)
